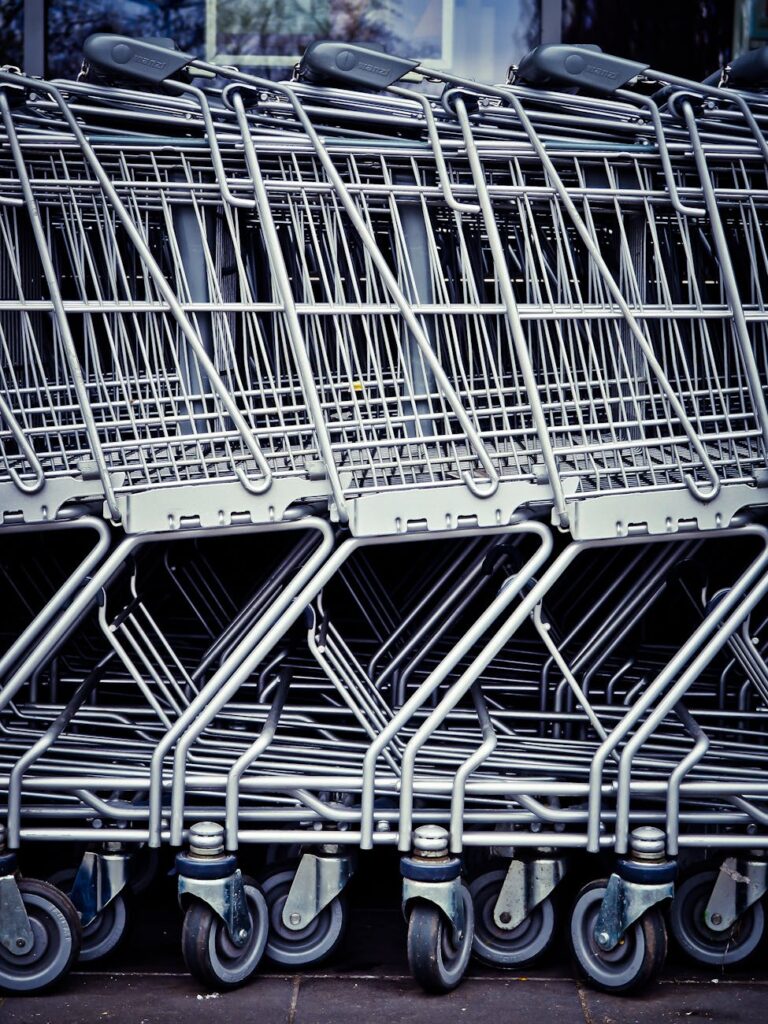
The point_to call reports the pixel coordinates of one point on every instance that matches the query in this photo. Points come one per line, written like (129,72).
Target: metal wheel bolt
(20,943)
(295,918)
(505,917)
(717,919)
(242,935)
(603,939)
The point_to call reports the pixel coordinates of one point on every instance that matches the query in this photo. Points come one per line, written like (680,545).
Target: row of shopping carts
(383,464)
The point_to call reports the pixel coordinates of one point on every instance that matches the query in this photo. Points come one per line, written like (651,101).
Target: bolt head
(717,919)
(206,839)
(505,917)
(430,840)
(242,935)
(295,918)
(20,943)
(603,938)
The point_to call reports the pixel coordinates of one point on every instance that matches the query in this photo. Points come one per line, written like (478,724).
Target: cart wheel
(210,954)
(106,933)
(56,940)
(437,962)
(318,941)
(699,941)
(519,947)
(638,958)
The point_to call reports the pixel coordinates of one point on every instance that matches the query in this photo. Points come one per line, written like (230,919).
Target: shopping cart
(433,322)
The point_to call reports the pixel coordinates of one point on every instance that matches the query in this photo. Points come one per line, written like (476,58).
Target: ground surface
(369,982)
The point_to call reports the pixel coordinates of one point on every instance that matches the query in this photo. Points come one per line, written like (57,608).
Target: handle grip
(750,69)
(326,61)
(583,66)
(140,59)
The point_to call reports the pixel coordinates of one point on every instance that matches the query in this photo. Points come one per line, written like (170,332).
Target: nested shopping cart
(409,316)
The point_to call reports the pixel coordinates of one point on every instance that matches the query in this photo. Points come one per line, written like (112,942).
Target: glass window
(475,38)
(70,22)
(12,32)
(689,37)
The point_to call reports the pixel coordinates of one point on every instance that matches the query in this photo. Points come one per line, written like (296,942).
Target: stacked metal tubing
(384,468)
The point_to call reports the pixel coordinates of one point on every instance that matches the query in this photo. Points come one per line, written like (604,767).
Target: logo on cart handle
(150,61)
(346,60)
(602,72)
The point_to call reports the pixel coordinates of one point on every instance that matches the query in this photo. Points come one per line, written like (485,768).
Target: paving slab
(397,1001)
(726,1002)
(150,999)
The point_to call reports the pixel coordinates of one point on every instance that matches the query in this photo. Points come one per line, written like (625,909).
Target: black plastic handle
(134,58)
(750,69)
(582,66)
(326,62)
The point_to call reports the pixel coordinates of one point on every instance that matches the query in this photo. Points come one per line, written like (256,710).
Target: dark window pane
(12,32)
(70,22)
(691,38)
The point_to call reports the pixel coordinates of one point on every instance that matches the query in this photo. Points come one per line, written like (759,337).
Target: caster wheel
(107,932)
(519,947)
(210,954)
(698,941)
(56,931)
(437,961)
(635,962)
(317,942)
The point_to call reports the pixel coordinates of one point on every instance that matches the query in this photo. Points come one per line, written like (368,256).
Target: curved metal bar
(28,451)
(757,394)
(210,131)
(51,279)
(282,281)
(175,307)
(486,488)
(513,317)
(59,600)
(729,96)
(756,578)
(602,267)
(429,686)
(224,683)
(471,764)
(700,747)
(247,758)
(437,149)
(661,141)
(43,743)
(686,678)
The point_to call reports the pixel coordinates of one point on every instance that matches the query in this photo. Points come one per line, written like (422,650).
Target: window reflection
(475,38)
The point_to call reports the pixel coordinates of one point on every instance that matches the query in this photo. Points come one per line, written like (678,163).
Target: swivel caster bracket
(15,930)
(226,897)
(446,896)
(319,879)
(100,878)
(431,875)
(210,875)
(740,883)
(624,903)
(526,885)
